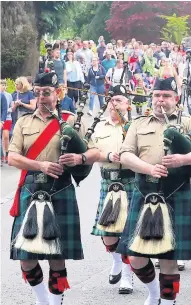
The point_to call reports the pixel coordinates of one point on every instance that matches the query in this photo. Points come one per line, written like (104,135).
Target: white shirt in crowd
(115,76)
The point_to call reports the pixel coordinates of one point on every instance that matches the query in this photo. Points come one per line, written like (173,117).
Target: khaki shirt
(27,130)
(145,137)
(107,137)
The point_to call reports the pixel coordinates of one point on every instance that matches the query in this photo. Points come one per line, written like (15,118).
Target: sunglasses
(44,93)
(165,95)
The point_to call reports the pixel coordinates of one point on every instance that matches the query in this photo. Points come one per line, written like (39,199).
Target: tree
(141,19)
(86,19)
(176,28)
(22,25)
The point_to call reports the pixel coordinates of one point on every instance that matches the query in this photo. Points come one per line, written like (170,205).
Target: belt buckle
(114,175)
(40,178)
(151,179)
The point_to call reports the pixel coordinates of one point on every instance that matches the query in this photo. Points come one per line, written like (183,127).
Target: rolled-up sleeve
(130,142)
(16,143)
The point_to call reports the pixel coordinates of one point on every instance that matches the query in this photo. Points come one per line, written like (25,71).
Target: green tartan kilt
(129,185)
(180,210)
(67,217)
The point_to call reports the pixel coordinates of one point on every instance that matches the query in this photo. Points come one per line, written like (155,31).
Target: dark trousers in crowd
(72,93)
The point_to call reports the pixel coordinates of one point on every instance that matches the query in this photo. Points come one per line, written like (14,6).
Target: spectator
(108,62)
(92,47)
(67,104)
(78,42)
(158,54)
(3,115)
(96,76)
(113,76)
(101,49)
(164,49)
(8,122)
(63,48)
(75,76)
(59,67)
(149,63)
(119,47)
(24,99)
(110,48)
(182,50)
(88,54)
(175,57)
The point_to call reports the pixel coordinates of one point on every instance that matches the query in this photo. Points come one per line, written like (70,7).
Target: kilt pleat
(67,218)
(180,210)
(129,185)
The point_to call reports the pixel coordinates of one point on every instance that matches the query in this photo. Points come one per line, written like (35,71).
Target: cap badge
(173,85)
(54,79)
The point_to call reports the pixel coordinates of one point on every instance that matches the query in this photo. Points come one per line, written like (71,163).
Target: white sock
(167,302)
(117,263)
(41,294)
(154,292)
(179,262)
(127,276)
(56,299)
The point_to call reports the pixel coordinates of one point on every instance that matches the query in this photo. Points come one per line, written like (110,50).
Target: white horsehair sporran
(115,209)
(39,232)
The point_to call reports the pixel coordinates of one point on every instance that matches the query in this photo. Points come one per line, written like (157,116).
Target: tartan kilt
(68,221)
(180,210)
(129,185)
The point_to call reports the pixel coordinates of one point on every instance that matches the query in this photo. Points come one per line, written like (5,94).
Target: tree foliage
(141,19)
(86,19)
(176,28)
(22,25)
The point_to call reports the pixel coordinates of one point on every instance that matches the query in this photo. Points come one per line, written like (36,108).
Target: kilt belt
(40,178)
(116,174)
(170,184)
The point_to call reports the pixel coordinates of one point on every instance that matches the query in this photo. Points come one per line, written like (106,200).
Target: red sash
(32,154)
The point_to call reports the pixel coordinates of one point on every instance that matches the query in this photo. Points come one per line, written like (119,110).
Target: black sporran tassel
(106,213)
(115,213)
(50,229)
(158,224)
(147,225)
(30,230)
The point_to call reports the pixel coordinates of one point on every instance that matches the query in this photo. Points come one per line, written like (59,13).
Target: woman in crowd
(175,57)
(149,63)
(23,97)
(96,77)
(8,122)
(119,47)
(110,48)
(75,76)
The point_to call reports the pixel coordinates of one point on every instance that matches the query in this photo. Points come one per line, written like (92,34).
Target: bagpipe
(154,230)
(71,142)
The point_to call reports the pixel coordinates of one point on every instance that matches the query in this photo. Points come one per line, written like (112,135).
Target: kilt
(129,185)
(67,218)
(180,210)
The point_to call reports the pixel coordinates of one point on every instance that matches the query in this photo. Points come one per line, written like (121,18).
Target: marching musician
(116,184)
(159,221)
(42,164)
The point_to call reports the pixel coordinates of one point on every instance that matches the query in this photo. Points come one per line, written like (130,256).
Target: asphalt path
(88,278)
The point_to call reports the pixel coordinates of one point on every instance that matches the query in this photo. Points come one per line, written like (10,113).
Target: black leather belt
(41,178)
(112,174)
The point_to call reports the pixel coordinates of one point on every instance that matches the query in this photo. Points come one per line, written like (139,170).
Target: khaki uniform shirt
(107,137)
(145,137)
(27,130)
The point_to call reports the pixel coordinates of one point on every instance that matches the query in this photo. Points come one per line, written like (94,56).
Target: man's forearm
(187,159)
(92,155)
(132,162)
(22,162)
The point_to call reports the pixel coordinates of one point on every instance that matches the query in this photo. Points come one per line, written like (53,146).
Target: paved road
(88,278)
